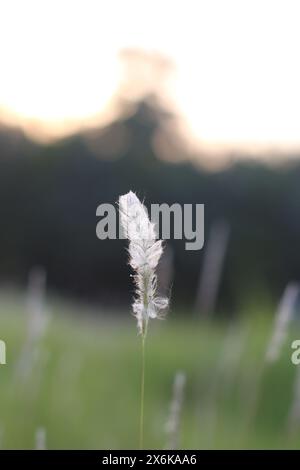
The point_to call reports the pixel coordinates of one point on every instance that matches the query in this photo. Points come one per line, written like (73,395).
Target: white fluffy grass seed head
(144,254)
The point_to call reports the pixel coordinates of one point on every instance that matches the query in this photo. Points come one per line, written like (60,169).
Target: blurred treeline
(49,195)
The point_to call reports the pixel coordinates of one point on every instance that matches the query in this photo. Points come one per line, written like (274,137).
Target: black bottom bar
(134,458)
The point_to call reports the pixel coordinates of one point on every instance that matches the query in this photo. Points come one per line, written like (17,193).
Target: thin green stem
(142,394)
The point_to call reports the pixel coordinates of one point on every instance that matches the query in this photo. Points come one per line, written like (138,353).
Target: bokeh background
(186,102)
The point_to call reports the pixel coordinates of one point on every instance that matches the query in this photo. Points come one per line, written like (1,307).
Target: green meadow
(82,383)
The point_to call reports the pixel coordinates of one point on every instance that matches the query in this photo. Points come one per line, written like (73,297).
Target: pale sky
(236,80)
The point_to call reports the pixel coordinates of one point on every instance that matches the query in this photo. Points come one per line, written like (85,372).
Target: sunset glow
(236,71)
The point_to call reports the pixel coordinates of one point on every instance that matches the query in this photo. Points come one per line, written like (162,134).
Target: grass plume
(144,254)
